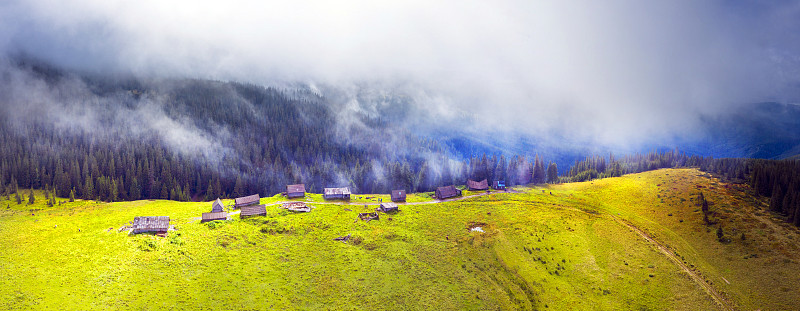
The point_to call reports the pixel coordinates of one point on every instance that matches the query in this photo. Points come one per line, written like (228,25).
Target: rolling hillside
(633,242)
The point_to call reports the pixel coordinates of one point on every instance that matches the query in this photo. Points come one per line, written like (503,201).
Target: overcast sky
(617,72)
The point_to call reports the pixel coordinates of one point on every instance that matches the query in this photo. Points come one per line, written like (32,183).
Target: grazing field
(559,247)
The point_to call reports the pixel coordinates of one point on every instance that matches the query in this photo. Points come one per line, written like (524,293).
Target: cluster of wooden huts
(217,212)
(249,205)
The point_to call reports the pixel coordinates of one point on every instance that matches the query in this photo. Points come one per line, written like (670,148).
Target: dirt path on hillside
(697,279)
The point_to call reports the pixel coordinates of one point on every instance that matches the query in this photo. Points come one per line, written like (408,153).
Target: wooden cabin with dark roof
(447,192)
(157,224)
(247,201)
(336,193)
(477,185)
(214,216)
(295,191)
(398,195)
(388,207)
(217,206)
(253,210)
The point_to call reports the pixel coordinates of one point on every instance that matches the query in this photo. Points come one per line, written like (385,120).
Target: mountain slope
(558,247)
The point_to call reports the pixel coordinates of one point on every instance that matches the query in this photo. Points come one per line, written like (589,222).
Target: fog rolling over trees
(181,139)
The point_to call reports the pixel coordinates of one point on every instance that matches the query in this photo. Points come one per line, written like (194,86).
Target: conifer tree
(238,189)
(776,202)
(210,192)
(538,171)
(72,195)
(136,191)
(797,209)
(186,194)
(552,173)
(88,189)
(787,204)
(113,191)
(18,198)
(31,198)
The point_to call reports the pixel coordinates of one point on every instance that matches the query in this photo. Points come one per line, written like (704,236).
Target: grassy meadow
(557,247)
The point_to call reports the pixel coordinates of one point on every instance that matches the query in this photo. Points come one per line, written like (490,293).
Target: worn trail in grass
(755,268)
(539,251)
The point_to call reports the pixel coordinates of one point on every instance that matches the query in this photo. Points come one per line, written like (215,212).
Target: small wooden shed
(214,216)
(247,201)
(295,191)
(499,185)
(157,224)
(398,195)
(389,207)
(336,193)
(296,207)
(217,206)
(447,192)
(477,185)
(253,210)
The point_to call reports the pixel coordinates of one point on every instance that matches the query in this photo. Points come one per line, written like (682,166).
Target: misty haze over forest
(380,95)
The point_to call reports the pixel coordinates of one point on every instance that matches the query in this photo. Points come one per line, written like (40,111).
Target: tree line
(260,140)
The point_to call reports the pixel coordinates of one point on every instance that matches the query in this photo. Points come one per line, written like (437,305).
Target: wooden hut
(336,193)
(217,206)
(447,192)
(477,185)
(296,207)
(499,185)
(388,207)
(157,224)
(253,210)
(295,191)
(398,195)
(247,201)
(214,216)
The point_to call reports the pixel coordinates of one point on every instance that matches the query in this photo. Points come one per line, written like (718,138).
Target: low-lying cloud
(613,72)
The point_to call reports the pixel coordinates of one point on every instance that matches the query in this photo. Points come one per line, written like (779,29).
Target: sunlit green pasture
(546,248)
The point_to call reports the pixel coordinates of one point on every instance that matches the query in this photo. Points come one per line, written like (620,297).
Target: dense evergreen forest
(116,139)
(778,180)
(126,139)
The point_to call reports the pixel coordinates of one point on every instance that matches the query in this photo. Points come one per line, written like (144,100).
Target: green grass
(540,251)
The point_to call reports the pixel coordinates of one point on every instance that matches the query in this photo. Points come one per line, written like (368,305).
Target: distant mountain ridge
(765,130)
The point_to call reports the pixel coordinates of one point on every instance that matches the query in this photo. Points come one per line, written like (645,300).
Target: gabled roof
(214,216)
(296,188)
(250,199)
(151,223)
(388,206)
(337,191)
(477,185)
(447,191)
(217,206)
(253,210)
